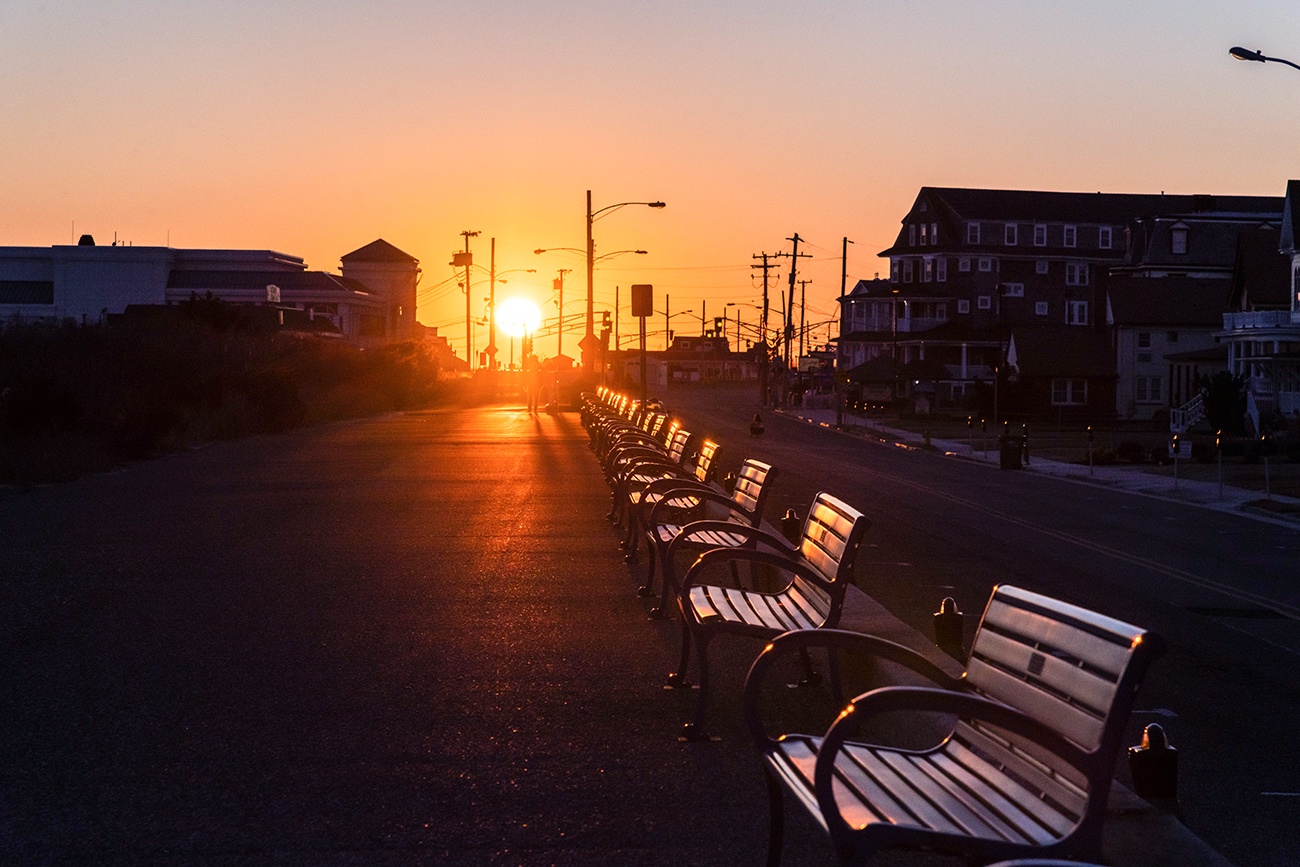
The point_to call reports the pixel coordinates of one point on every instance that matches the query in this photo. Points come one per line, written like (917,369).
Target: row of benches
(1036,719)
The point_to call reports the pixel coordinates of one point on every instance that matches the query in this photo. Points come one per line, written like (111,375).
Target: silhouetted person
(532,380)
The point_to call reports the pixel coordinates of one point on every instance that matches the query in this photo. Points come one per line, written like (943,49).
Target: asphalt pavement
(404,640)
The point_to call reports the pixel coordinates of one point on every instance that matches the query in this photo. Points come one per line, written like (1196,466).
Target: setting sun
(518,316)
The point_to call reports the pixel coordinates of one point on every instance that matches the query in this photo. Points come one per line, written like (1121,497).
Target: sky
(313,127)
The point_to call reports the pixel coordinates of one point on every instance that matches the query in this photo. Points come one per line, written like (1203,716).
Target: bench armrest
(796,565)
(967,705)
(663,494)
(831,639)
(754,536)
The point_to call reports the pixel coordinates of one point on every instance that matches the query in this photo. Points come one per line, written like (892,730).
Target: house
(974,273)
(1262,329)
(371,301)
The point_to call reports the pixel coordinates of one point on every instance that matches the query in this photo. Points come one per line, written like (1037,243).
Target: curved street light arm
(1258,56)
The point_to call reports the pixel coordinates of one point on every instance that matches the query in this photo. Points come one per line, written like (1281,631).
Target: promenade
(406,640)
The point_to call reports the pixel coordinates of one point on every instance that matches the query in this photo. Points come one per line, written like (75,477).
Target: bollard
(729,482)
(791,526)
(949,628)
(1154,766)
(756,426)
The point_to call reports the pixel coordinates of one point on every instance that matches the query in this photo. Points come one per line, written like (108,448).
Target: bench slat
(1081,685)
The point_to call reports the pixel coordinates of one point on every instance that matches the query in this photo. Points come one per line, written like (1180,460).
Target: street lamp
(1257,56)
(589,337)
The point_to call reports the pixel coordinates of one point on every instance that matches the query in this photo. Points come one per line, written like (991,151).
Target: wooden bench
(1026,767)
(632,467)
(744,505)
(816,571)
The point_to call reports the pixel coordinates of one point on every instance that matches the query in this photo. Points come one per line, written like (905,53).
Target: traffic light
(717,324)
(604,319)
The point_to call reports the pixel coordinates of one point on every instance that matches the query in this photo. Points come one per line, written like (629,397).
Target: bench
(639,494)
(816,571)
(1026,766)
(745,505)
(634,466)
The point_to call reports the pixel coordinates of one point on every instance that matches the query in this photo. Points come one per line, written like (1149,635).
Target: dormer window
(1071,236)
(1178,240)
(1104,238)
(1010,235)
(972,233)
(911,235)
(925,234)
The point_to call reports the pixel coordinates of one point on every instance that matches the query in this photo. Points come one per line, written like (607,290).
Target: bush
(193,372)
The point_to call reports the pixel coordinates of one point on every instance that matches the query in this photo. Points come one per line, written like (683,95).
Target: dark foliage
(78,398)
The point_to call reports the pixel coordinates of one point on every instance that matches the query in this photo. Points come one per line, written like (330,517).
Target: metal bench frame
(1026,769)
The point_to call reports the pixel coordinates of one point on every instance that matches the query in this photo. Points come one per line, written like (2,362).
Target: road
(1221,588)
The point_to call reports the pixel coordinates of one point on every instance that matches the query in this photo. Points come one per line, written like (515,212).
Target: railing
(1259,319)
(1187,415)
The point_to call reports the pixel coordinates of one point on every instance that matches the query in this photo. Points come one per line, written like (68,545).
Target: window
(1040,235)
(1178,241)
(963,264)
(1071,236)
(1172,336)
(927,270)
(1076,273)
(1144,357)
(1040,267)
(1076,313)
(907,270)
(895,270)
(1148,389)
(925,234)
(1040,308)
(911,235)
(1010,234)
(1013,290)
(934,233)
(941,270)
(1069,392)
(1144,339)
(1104,237)
(972,233)
(984,302)
(986,265)
(963,305)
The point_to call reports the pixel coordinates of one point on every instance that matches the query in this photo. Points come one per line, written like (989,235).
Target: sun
(518,316)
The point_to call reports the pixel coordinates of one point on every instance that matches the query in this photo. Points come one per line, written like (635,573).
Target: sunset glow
(518,316)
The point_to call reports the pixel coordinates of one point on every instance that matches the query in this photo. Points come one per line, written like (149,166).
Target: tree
(1225,402)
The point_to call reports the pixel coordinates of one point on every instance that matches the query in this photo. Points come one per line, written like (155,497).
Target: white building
(372,301)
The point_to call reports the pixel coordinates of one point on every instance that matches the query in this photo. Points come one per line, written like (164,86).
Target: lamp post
(586,351)
(589,336)
(1258,56)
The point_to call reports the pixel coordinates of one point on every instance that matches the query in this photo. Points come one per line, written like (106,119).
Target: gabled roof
(380,251)
(1168,301)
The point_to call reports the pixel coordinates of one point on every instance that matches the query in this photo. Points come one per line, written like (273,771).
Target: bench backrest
(706,461)
(829,543)
(753,485)
(1071,668)
(676,450)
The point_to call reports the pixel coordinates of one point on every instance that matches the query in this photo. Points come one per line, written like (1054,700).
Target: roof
(257,281)
(953,206)
(380,251)
(1289,241)
(1168,301)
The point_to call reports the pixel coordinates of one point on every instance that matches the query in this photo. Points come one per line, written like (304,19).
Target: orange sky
(313,128)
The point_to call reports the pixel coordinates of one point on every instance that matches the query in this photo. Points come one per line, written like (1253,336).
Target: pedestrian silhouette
(532,380)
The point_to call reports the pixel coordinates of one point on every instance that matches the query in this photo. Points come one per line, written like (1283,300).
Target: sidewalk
(1187,482)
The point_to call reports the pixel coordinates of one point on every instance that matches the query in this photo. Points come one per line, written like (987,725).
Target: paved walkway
(407,640)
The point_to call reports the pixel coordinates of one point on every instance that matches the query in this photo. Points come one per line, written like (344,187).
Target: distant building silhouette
(372,301)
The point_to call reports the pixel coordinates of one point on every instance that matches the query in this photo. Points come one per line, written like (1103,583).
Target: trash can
(1010,448)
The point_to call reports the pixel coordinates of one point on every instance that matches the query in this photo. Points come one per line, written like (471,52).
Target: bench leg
(694,730)
(647,589)
(775,818)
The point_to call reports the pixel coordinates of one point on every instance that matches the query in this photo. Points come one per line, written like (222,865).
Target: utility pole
(795,256)
(469,313)
(840,363)
(492,308)
(558,284)
(766,266)
(616,315)
(668,335)
(803,314)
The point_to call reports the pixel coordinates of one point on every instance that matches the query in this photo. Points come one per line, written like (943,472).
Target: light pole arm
(1258,56)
